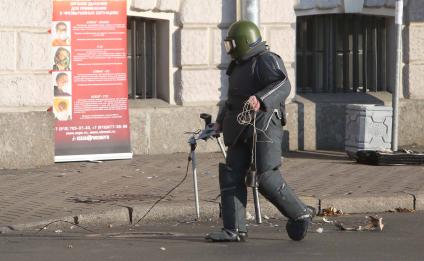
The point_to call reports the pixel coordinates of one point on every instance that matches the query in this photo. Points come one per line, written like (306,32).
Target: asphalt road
(401,239)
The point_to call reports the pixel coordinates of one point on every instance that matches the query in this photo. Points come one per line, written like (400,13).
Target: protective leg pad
(273,187)
(233,199)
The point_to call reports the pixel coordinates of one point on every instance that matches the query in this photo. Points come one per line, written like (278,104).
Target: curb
(367,204)
(209,211)
(419,201)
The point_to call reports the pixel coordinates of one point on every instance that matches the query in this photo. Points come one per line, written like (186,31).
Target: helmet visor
(229,45)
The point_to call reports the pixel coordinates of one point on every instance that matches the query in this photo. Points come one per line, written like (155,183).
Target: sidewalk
(120,192)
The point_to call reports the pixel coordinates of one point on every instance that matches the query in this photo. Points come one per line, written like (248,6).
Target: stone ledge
(168,5)
(415,11)
(329,4)
(143,4)
(370,7)
(163,129)
(26,139)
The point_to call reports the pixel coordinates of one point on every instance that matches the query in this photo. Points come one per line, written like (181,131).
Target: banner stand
(90,80)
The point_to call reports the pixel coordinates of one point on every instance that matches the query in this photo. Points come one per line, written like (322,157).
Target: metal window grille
(141,58)
(341,53)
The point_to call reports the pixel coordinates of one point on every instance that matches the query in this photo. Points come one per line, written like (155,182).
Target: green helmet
(241,38)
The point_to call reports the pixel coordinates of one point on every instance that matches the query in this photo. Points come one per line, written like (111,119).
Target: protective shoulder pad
(269,68)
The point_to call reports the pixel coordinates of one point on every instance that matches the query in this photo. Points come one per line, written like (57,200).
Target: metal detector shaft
(196,190)
(218,139)
(258,214)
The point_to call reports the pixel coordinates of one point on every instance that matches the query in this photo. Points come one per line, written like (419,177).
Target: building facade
(337,52)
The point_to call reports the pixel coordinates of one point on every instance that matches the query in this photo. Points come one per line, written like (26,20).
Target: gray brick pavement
(57,191)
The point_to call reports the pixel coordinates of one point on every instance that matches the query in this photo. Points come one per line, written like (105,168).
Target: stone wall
(413,38)
(26,128)
(201,59)
(154,130)
(321,119)
(278,21)
(199,66)
(25,53)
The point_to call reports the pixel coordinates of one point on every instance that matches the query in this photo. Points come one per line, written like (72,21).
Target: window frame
(330,55)
(142,58)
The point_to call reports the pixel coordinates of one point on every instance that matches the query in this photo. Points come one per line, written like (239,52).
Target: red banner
(89,41)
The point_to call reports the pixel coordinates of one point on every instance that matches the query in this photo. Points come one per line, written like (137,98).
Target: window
(142,58)
(341,53)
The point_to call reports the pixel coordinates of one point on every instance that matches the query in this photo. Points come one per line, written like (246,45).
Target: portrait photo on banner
(61,33)
(62,108)
(62,82)
(62,58)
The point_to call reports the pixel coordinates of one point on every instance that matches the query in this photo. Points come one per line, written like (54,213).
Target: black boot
(226,235)
(233,207)
(297,229)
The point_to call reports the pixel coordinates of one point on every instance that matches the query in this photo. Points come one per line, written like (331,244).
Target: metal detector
(210,133)
(207,133)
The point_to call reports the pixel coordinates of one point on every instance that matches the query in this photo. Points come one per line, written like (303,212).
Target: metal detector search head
(207,117)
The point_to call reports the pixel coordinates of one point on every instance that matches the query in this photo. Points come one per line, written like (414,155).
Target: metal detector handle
(207,118)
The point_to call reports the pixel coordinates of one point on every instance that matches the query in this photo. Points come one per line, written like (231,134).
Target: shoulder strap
(231,68)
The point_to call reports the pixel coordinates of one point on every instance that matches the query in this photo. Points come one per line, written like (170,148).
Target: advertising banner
(89,69)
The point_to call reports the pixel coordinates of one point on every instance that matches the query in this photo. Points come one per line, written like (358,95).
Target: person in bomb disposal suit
(257,77)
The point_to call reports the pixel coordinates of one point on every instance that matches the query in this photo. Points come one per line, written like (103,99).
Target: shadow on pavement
(324,155)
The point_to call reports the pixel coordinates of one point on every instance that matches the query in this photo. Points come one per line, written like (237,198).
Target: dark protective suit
(260,73)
